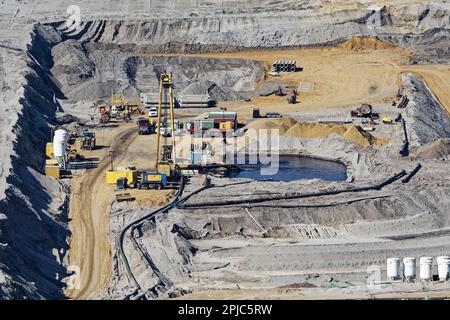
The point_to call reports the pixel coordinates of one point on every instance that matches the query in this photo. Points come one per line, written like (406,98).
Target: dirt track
(90,247)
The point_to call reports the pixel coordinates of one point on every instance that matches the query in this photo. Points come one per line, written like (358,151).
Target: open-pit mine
(224,149)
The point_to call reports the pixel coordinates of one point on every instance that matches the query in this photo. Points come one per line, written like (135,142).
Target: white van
(153,112)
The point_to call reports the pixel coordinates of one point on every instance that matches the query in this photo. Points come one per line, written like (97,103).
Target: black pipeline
(378,186)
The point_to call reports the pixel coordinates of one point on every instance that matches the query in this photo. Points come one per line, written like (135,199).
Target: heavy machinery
(388,120)
(293,98)
(145,126)
(165,153)
(117,99)
(364,111)
(88,140)
(152,180)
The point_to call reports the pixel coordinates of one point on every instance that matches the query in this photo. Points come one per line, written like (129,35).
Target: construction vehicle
(388,120)
(152,180)
(364,111)
(293,98)
(117,99)
(145,126)
(88,140)
(279,92)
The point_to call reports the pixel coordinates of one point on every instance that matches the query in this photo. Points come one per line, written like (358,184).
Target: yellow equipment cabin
(112,176)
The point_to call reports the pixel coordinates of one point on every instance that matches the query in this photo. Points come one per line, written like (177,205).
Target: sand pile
(290,127)
(365,43)
(440,149)
(283,125)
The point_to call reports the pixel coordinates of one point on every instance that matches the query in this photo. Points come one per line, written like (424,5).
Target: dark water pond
(293,168)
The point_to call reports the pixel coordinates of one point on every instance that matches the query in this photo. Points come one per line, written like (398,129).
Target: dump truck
(152,180)
(88,140)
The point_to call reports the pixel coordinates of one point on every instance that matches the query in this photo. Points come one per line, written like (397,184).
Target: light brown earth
(91,199)
(90,247)
(360,70)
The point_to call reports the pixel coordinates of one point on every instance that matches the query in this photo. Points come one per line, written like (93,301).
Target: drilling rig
(167,173)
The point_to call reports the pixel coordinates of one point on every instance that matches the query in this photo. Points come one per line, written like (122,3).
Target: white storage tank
(409,268)
(59,143)
(443,267)
(426,268)
(393,269)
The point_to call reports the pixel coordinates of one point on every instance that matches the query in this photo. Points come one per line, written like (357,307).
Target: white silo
(426,268)
(393,269)
(443,267)
(409,268)
(60,145)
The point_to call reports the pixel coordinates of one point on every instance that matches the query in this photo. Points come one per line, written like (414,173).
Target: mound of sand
(290,127)
(440,149)
(283,125)
(365,43)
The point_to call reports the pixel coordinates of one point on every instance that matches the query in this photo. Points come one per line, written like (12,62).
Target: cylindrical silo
(60,146)
(443,267)
(426,268)
(409,268)
(393,269)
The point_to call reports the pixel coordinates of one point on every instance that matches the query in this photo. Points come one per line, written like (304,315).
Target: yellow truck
(388,120)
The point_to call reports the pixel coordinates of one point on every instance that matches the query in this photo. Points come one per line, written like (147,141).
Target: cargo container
(113,176)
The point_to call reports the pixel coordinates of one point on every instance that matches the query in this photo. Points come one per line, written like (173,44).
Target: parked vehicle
(153,112)
(87,140)
(145,127)
(152,180)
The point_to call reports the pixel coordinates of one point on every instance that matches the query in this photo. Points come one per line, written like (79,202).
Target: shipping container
(203,124)
(112,176)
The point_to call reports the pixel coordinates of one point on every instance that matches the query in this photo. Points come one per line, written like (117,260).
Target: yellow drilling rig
(167,172)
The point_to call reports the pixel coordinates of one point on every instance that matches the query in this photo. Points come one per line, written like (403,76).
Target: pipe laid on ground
(300,196)
(296,206)
(121,237)
(412,173)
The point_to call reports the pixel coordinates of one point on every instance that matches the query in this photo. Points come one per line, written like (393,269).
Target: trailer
(152,180)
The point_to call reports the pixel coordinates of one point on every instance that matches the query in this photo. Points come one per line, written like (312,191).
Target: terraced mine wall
(33,208)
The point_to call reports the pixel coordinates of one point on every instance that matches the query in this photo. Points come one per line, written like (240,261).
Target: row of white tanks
(425,268)
(60,139)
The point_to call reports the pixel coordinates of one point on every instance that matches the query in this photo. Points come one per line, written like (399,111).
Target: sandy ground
(90,247)
(356,72)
